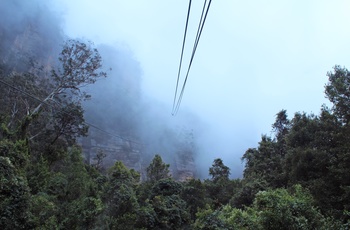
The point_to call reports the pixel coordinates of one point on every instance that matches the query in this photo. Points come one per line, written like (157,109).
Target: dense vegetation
(296,179)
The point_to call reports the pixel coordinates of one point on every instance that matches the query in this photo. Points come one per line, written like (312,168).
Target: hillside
(81,151)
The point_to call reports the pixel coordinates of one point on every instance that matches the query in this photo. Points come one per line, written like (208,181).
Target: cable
(199,32)
(84,122)
(200,25)
(182,52)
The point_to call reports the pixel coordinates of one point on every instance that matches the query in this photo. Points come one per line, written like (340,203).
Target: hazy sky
(254,58)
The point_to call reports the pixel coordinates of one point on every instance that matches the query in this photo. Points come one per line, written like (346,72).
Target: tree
(209,219)
(281,128)
(120,198)
(219,171)
(80,66)
(14,100)
(265,162)
(46,113)
(219,188)
(44,183)
(337,90)
(44,211)
(28,95)
(169,208)
(14,197)
(272,209)
(244,194)
(194,194)
(157,170)
(280,209)
(281,125)
(314,147)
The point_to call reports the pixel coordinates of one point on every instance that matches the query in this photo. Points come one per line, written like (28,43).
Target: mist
(250,64)
(88,135)
(248,67)
(30,34)
(120,106)
(124,104)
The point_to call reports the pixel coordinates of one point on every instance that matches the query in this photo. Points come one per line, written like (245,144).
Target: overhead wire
(182,52)
(68,114)
(198,35)
(200,28)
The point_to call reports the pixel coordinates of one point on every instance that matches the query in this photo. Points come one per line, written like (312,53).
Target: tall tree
(14,197)
(281,125)
(80,66)
(338,92)
(219,171)
(219,188)
(265,162)
(120,198)
(157,170)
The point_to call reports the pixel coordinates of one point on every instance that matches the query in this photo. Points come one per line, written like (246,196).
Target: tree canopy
(298,178)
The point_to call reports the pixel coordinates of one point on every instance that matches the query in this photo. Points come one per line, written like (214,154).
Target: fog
(121,107)
(253,60)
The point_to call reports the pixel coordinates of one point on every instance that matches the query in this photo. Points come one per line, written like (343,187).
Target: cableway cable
(182,52)
(199,32)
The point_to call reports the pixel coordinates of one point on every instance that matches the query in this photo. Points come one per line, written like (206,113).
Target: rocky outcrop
(31,40)
(114,149)
(133,155)
(184,166)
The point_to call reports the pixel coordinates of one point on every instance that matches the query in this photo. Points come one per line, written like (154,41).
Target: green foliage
(318,158)
(82,213)
(146,217)
(157,170)
(69,124)
(219,171)
(338,92)
(194,194)
(44,183)
(120,197)
(166,187)
(164,208)
(272,209)
(209,219)
(61,192)
(265,162)
(220,188)
(38,175)
(57,186)
(44,211)
(14,197)
(246,191)
(16,151)
(170,212)
(240,219)
(279,209)
(281,126)
(119,174)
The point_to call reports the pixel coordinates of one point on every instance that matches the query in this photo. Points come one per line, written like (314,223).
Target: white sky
(254,58)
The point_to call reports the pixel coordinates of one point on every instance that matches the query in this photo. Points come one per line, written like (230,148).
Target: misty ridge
(82,146)
(31,39)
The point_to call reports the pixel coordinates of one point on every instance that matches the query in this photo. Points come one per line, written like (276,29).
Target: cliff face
(30,36)
(184,165)
(114,149)
(30,40)
(133,155)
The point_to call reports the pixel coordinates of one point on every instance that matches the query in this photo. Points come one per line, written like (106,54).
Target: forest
(297,178)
